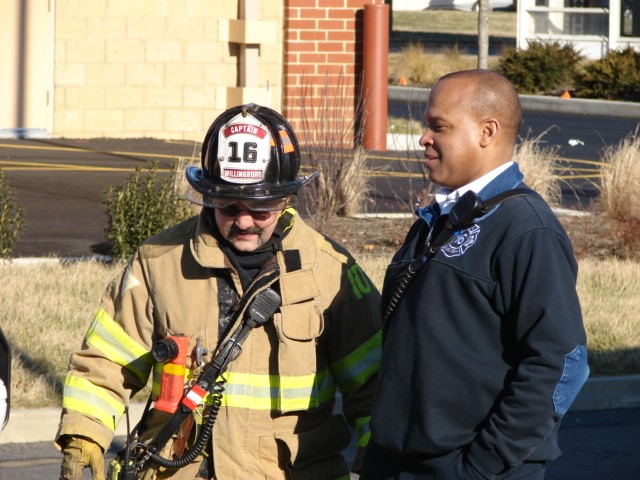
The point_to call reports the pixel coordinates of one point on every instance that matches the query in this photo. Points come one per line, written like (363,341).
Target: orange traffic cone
(565,94)
(403,81)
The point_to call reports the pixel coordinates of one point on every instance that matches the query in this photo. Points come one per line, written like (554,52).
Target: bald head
(472,118)
(491,95)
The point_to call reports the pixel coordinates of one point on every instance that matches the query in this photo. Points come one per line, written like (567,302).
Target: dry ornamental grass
(47,308)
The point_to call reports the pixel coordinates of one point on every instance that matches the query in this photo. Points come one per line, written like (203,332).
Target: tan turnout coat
(277,418)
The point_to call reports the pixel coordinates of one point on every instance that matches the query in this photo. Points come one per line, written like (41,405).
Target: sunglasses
(259,214)
(256,205)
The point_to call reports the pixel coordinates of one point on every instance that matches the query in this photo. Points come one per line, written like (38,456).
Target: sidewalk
(40,425)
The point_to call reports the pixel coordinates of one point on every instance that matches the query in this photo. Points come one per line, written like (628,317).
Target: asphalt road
(60,186)
(596,445)
(60,183)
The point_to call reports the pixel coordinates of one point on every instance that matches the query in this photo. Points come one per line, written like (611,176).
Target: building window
(630,18)
(571,17)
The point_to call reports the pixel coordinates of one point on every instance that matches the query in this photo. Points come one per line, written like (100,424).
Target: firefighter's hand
(80,453)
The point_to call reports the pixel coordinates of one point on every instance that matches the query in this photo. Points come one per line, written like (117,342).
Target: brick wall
(322,59)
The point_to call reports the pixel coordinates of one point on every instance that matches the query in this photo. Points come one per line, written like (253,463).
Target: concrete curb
(41,424)
(539,103)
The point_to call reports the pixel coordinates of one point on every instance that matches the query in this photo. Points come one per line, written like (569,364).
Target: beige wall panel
(124,51)
(60,52)
(183,29)
(72,29)
(208,117)
(202,97)
(87,97)
(164,51)
(146,28)
(85,51)
(127,8)
(146,74)
(104,122)
(220,74)
(73,74)
(80,8)
(106,27)
(271,54)
(152,67)
(189,8)
(163,97)
(143,120)
(271,9)
(106,74)
(124,97)
(184,122)
(72,121)
(204,52)
(205,9)
(187,74)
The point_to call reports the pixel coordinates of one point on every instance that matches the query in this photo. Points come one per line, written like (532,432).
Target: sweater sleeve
(536,287)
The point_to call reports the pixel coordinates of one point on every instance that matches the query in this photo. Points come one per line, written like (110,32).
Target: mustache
(234,230)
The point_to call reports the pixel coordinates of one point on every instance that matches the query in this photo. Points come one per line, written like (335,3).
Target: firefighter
(276,418)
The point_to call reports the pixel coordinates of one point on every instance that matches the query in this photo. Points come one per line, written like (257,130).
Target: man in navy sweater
(485,350)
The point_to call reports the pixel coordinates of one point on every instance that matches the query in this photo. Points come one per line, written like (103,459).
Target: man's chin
(245,243)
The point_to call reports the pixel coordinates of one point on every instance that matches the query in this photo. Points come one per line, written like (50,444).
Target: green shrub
(616,76)
(11,221)
(544,67)
(140,208)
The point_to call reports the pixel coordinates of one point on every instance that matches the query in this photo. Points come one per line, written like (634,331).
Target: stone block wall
(154,68)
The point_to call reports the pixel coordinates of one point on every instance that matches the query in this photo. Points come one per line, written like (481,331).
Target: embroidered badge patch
(460,243)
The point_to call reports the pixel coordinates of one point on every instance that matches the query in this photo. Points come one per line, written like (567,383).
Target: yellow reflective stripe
(358,367)
(363,432)
(109,337)
(155,385)
(173,369)
(269,392)
(274,392)
(81,395)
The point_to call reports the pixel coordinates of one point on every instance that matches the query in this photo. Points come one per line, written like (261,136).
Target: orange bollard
(403,81)
(375,56)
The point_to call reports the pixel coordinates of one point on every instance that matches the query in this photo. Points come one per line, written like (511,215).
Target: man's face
(244,228)
(453,155)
